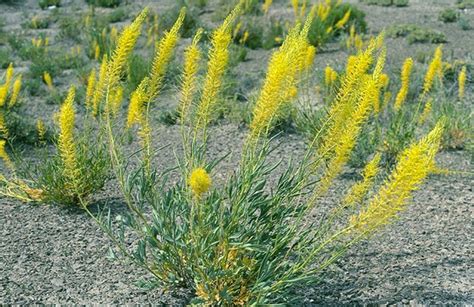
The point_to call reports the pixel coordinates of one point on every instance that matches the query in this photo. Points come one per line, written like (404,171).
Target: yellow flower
(125,45)
(405,80)
(217,64)
(163,55)
(414,165)
(462,82)
(90,88)
(48,80)
(310,55)
(199,181)
(266,5)
(3,126)
(330,75)
(4,156)
(3,94)
(360,189)
(426,112)
(15,92)
(135,108)
(434,69)
(100,86)
(341,23)
(9,75)
(192,56)
(41,129)
(66,140)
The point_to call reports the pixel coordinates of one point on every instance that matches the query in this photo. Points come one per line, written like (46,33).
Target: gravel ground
(54,255)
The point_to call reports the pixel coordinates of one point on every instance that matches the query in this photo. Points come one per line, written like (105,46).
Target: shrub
(416,34)
(448,15)
(105,3)
(249,240)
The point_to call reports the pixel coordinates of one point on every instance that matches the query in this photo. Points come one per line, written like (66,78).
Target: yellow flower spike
(9,75)
(426,112)
(199,181)
(66,141)
(360,189)
(4,156)
(96,51)
(266,5)
(434,69)
(192,56)
(296,5)
(3,126)
(48,80)
(116,100)
(15,92)
(90,88)
(341,23)
(163,55)
(310,55)
(41,130)
(384,80)
(330,76)
(462,82)
(405,80)
(3,94)
(217,64)
(125,44)
(135,108)
(100,86)
(414,165)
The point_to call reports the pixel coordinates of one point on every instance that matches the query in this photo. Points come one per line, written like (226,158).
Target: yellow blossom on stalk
(216,66)
(96,51)
(280,81)
(296,5)
(330,76)
(3,126)
(66,141)
(462,82)
(41,129)
(135,108)
(100,86)
(323,11)
(90,88)
(192,56)
(4,155)
(244,38)
(15,92)
(266,5)
(386,99)
(163,55)
(9,75)
(116,97)
(426,112)
(414,165)
(434,69)
(125,45)
(310,55)
(3,94)
(341,23)
(346,133)
(199,181)
(360,189)
(384,80)
(405,81)
(48,80)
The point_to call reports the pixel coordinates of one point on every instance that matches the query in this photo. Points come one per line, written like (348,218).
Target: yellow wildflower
(426,112)
(462,82)
(414,165)
(192,56)
(90,88)
(405,80)
(199,181)
(100,86)
(4,156)
(266,5)
(9,75)
(15,92)
(41,129)
(310,55)
(360,189)
(66,141)
(3,94)
(135,108)
(48,80)
(330,76)
(3,126)
(341,23)
(434,69)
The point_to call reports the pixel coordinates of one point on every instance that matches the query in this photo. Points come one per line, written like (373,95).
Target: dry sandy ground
(52,255)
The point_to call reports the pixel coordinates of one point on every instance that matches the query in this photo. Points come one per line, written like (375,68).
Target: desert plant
(47,3)
(105,3)
(248,240)
(448,15)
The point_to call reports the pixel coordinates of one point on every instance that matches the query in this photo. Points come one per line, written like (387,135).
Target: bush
(105,3)
(448,15)
(47,3)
